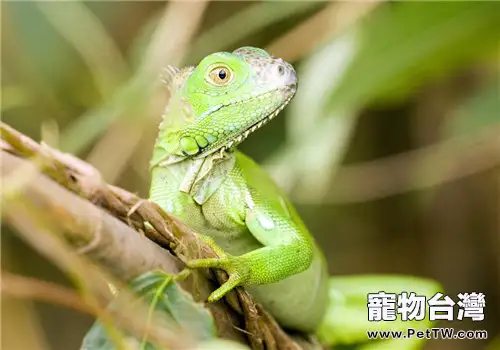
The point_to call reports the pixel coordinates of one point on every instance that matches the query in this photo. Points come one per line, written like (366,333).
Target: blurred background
(390,150)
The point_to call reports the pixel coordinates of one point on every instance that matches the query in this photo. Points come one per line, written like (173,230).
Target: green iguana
(199,176)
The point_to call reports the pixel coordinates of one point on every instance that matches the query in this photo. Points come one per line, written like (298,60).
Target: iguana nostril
(281,70)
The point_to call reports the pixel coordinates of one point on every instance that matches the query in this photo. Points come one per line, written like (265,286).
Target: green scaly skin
(199,176)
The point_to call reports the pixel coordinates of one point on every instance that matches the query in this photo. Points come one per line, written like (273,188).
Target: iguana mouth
(243,135)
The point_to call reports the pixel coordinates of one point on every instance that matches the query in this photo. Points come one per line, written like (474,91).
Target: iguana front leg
(285,251)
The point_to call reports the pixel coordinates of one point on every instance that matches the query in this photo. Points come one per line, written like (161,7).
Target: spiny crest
(174,78)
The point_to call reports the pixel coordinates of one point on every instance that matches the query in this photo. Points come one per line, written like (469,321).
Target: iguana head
(218,103)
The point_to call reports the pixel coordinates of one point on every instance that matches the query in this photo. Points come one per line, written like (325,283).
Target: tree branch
(30,288)
(115,238)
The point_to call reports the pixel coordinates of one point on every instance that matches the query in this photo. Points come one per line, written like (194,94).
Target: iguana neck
(202,176)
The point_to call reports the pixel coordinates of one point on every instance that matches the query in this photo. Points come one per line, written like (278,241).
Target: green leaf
(177,303)
(165,297)
(403,45)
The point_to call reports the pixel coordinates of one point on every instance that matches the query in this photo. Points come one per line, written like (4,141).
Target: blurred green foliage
(401,76)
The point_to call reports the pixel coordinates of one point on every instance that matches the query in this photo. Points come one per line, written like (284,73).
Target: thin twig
(419,169)
(30,288)
(315,30)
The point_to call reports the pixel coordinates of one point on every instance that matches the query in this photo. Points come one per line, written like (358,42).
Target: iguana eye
(220,75)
